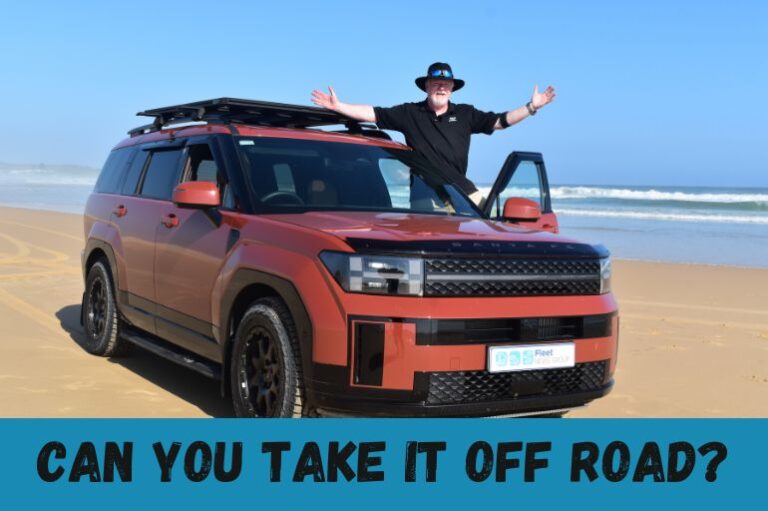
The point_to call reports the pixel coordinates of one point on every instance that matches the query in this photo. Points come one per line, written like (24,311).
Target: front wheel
(265,375)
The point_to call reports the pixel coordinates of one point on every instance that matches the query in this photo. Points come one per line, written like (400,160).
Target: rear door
(137,215)
(523,175)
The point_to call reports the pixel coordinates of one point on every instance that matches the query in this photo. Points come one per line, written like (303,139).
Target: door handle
(170,220)
(120,211)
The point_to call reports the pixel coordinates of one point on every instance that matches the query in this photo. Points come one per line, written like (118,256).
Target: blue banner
(378,464)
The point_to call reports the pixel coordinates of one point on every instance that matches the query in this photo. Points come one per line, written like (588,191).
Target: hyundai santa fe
(318,272)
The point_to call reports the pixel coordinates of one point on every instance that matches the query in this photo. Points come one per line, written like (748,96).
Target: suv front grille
(479,386)
(511,277)
(514,266)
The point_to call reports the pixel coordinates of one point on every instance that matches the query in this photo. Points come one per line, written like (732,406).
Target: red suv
(318,272)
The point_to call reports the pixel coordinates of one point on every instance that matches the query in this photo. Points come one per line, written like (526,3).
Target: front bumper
(438,368)
(425,357)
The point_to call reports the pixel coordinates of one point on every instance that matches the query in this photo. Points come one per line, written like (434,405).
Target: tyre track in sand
(15,266)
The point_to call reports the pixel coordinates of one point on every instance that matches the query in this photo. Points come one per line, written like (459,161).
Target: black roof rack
(258,113)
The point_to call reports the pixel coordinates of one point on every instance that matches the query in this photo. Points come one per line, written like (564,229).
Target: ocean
(49,187)
(705,225)
(692,224)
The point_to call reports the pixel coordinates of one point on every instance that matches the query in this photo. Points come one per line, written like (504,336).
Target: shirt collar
(424,106)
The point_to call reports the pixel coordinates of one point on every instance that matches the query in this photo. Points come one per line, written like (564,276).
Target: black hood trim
(475,248)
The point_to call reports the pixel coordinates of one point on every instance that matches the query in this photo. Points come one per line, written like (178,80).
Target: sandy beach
(693,343)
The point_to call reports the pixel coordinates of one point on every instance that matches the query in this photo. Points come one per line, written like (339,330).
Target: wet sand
(693,343)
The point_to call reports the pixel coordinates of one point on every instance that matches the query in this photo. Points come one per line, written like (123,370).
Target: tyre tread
(278,314)
(113,345)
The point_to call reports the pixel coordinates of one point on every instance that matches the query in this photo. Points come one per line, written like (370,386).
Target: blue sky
(657,93)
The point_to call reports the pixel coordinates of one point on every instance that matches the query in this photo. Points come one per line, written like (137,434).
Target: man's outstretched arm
(331,102)
(538,100)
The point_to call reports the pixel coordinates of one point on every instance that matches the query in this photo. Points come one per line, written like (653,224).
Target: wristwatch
(531,109)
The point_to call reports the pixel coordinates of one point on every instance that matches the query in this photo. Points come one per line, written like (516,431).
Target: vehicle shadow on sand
(190,386)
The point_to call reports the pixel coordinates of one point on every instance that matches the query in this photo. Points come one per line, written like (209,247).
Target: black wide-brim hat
(439,71)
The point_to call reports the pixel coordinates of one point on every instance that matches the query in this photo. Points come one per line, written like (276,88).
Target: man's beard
(438,101)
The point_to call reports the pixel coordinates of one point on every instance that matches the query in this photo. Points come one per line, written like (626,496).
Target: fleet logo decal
(521,358)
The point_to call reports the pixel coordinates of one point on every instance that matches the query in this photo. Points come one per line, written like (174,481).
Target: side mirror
(196,194)
(517,209)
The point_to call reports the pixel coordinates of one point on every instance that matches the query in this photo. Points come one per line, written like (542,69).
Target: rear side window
(113,170)
(134,173)
(162,175)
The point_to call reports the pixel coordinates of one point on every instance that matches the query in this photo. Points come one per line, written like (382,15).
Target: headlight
(381,275)
(605,275)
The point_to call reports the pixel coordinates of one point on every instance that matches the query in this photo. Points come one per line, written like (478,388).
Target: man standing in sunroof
(436,128)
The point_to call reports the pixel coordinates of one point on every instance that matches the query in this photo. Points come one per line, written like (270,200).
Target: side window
(134,173)
(113,170)
(200,164)
(525,183)
(162,175)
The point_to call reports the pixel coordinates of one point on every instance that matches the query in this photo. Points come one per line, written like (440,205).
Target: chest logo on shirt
(452,118)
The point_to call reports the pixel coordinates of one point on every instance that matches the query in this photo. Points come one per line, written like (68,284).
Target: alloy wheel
(97,309)
(261,370)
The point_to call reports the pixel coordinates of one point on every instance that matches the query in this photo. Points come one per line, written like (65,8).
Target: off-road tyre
(100,319)
(265,370)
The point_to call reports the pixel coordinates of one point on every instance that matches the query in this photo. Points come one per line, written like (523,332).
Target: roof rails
(245,111)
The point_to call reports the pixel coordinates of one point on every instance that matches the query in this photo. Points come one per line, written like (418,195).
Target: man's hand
(363,113)
(329,101)
(538,99)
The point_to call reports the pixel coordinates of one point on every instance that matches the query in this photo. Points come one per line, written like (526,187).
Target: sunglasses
(441,73)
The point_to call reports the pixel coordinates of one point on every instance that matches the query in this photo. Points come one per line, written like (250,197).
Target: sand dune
(694,340)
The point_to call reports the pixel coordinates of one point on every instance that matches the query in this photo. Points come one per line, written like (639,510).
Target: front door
(191,246)
(523,175)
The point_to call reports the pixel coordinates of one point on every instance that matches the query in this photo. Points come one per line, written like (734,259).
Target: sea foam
(593,192)
(655,215)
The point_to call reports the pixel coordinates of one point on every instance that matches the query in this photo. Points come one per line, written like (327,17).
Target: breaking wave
(655,215)
(588,192)
(45,176)
(686,199)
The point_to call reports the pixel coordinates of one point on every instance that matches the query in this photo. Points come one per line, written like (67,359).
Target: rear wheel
(265,376)
(101,321)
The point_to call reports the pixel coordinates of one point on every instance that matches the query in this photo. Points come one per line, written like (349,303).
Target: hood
(405,227)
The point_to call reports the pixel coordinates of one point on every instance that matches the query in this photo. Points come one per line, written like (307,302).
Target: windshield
(293,176)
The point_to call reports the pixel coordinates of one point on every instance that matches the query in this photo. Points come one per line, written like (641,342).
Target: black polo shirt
(443,140)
